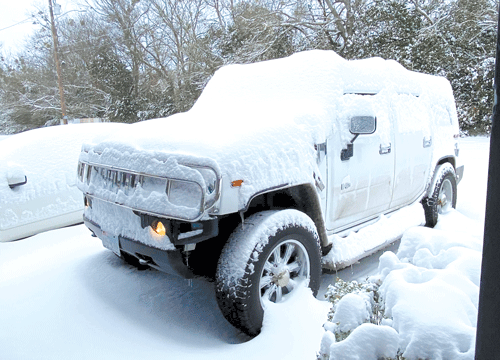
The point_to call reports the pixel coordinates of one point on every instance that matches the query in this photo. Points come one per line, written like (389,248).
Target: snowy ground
(63,296)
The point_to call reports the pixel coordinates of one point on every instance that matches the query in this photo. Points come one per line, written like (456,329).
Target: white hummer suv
(273,162)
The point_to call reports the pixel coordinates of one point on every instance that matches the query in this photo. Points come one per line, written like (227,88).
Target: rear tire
(266,260)
(443,195)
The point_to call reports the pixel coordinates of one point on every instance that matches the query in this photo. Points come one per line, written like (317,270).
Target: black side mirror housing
(348,153)
(359,125)
(14,182)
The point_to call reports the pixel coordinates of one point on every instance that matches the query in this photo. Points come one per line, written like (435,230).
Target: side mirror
(15,175)
(362,125)
(17,181)
(359,125)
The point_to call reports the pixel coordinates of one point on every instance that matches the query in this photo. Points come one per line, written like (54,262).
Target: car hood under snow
(259,122)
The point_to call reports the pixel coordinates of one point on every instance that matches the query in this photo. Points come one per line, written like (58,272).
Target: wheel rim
(284,269)
(445,197)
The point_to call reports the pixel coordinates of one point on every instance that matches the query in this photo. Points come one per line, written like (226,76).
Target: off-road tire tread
(429,203)
(235,299)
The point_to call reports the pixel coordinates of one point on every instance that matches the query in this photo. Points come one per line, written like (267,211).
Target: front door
(361,187)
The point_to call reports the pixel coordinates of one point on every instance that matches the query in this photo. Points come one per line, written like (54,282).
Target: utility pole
(488,334)
(58,65)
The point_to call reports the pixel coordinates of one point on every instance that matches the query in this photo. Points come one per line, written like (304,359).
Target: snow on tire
(266,259)
(443,194)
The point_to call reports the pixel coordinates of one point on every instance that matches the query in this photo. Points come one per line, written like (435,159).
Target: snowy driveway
(63,296)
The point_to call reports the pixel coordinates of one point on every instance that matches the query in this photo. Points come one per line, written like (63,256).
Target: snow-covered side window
(381,109)
(442,114)
(352,105)
(412,113)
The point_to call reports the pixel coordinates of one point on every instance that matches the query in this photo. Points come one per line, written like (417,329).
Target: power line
(29,19)
(20,22)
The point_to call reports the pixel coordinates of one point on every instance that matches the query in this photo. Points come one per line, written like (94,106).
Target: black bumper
(170,262)
(460,173)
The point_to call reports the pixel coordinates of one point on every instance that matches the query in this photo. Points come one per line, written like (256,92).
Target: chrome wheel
(285,268)
(445,196)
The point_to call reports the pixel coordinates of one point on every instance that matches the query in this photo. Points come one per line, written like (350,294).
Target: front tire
(266,260)
(443,194)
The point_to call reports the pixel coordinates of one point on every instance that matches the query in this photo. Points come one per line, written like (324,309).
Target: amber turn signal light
(236,183)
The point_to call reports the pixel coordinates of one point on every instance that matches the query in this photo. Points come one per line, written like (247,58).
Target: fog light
(159,228)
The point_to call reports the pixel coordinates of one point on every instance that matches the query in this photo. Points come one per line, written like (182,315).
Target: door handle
(318,182)
(427,141)
(385,149)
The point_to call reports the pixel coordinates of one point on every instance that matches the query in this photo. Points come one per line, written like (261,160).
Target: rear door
(413,147)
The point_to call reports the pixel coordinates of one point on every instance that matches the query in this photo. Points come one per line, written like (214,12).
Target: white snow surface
(352,311)
(433,283)
(366,342)
(349,249)
(66,297)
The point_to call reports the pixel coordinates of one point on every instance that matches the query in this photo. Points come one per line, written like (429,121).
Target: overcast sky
(15,22)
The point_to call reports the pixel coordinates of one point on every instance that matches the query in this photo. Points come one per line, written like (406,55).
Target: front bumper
(459,171)
(169,261)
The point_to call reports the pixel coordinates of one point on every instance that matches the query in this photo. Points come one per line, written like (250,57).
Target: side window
(356,105)
(374,105)
(412,114)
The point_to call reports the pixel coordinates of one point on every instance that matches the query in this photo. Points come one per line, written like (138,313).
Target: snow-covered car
(38,178)
(274,162)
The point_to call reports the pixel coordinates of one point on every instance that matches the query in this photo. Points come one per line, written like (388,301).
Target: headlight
(210,178)
(190,194)
(184,193)
(211,185)
(149,183)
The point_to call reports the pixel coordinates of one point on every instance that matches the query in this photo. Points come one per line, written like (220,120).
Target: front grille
(113,179)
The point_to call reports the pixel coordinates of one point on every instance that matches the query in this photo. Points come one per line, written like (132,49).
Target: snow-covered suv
(273,162)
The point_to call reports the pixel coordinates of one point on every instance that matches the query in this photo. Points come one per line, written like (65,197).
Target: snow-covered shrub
(357,317)
(353,292)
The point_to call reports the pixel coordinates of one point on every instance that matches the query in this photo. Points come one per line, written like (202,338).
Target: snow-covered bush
(357,317)
(347,296)
(421,305)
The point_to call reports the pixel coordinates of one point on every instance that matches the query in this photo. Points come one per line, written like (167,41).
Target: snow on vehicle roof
(261,121)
